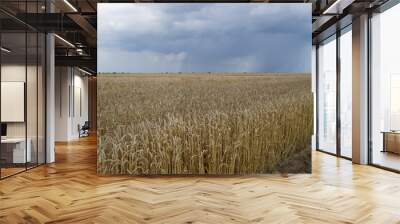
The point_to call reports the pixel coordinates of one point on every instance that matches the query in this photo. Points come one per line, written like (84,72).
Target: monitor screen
(3,129)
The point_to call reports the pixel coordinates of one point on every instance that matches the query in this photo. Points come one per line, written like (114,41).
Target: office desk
(13,150)
(391,141)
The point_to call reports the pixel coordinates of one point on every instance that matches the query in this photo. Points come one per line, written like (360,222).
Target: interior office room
(23,99)
(27,141)
(49,144)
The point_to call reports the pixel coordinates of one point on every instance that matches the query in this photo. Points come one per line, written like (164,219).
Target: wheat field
(218,124)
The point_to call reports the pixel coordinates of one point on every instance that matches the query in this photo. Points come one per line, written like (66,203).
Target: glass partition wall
(385,89)
(22,88)
(334,94)
(327,95)
(13,86)
(345,61)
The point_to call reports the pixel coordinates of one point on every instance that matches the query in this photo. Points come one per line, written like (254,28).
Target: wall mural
(212,89)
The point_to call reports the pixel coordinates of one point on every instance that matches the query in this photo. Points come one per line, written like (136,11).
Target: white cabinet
(19,155)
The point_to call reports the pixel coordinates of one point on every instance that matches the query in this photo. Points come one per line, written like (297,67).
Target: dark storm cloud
(204,37)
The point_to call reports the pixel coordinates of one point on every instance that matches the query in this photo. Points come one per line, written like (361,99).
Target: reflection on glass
(327,96)
(346,92)
(386,89)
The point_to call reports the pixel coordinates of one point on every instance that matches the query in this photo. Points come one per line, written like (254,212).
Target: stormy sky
(212,37)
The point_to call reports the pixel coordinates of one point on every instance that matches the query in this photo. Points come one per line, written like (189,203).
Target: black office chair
(84,130)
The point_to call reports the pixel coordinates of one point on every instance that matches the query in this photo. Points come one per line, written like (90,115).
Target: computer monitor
(3,129)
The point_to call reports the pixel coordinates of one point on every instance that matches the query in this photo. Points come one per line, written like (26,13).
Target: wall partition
(14,153)
(334,94)
(22,87)
(385,89)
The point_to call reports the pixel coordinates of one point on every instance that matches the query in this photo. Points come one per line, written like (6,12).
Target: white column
(50,92)
(360,90)
(50,100)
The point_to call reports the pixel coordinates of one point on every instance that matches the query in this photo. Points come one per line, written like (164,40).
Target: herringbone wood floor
(69,191)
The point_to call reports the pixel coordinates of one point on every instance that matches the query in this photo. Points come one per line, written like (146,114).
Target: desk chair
(84,130)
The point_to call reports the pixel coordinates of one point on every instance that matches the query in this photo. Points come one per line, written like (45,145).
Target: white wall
(70,81)
(33,126)
(17,73)
(79,117)
(62,82)
(14,72)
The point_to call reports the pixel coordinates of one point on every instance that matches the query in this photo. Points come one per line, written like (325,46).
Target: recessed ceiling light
(86,72)
(70,5)
(64,40)
(338,6)
(5,50)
